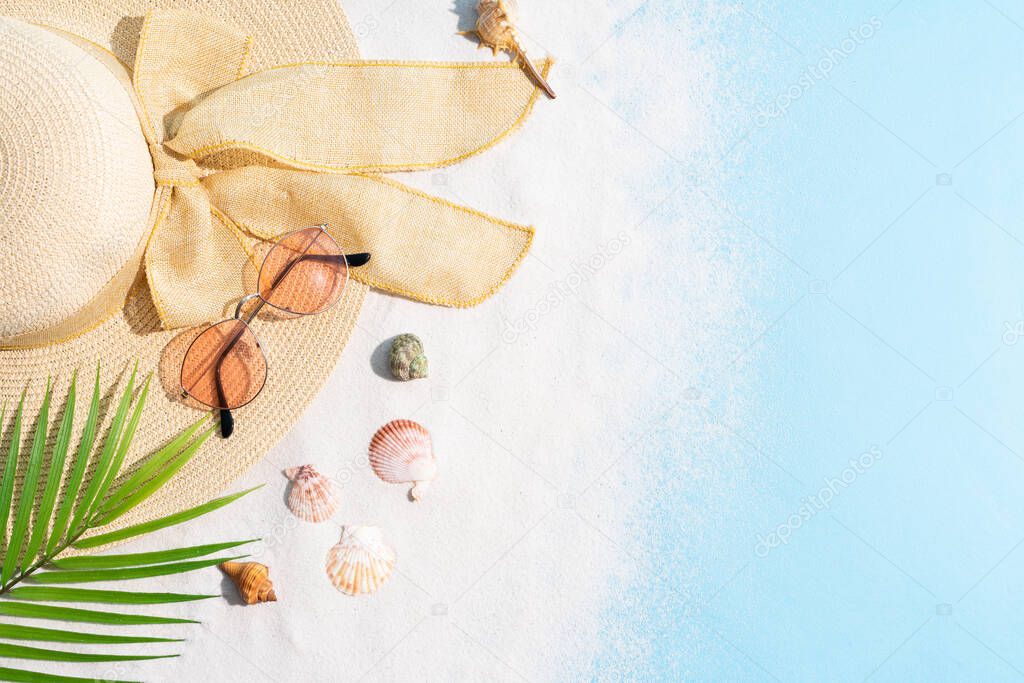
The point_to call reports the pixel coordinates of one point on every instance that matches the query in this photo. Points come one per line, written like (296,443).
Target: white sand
(511,566)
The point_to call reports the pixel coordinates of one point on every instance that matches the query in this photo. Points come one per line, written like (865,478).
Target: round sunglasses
(305,272)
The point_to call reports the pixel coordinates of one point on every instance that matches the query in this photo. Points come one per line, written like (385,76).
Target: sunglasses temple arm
(353,260)
(227,420)
(356,260)
(227,423)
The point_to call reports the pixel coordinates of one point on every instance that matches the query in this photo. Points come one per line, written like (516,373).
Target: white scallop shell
(361,562)
(312,497)
(401,452)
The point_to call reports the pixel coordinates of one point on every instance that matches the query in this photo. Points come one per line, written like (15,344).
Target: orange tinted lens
(304,273)
(225,366)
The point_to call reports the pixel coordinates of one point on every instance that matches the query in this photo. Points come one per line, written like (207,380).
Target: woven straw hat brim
(284,32)
(301,353)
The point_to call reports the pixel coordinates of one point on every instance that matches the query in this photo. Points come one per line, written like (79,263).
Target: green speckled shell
(407,359)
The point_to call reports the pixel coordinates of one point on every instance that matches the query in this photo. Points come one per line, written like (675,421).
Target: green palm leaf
(138,559)
(20,676)
(106,456)
(61,594)
(54,635)
(124,444)
(22,652)
(127,573)
(161,523)
(60,526)
(151,466)
(28,492)
(10,467)
(153,485)
(33,611)
(81,511)
(60,451)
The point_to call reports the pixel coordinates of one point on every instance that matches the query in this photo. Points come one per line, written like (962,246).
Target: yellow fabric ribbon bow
(312,139)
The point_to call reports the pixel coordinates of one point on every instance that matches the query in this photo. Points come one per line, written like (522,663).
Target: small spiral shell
(496,25)
(252,580)
(496,29)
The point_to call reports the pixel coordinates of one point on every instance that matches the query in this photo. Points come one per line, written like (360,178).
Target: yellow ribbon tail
(421,247)
(361,117)
(195,261)
(181,57)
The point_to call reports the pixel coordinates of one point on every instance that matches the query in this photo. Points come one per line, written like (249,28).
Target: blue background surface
(886,202)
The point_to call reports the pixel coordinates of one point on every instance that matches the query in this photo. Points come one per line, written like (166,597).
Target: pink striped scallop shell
(401,452)
(312,496)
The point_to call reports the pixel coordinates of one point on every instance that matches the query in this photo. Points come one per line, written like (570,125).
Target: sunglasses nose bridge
(242,302)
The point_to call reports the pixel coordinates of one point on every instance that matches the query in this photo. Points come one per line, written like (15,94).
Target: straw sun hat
(149,149)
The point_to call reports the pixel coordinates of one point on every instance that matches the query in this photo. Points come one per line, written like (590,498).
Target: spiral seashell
(312,497)
(495,27)
(401,452)
(252,580)
(496,24)
(361,562)
(407,359)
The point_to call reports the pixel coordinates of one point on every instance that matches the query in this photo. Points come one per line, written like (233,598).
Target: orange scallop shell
(401,452)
